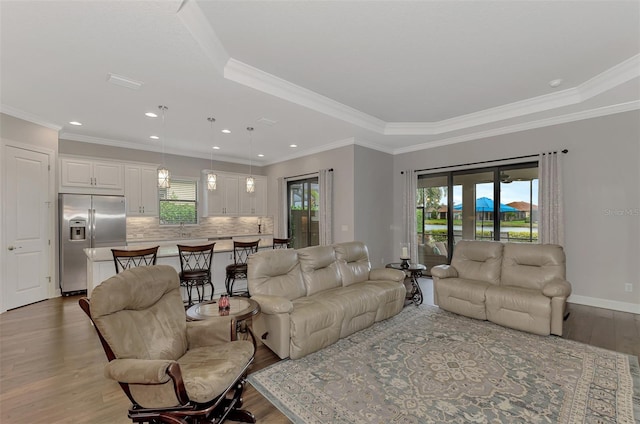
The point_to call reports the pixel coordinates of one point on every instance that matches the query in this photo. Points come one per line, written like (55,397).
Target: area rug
(426,365)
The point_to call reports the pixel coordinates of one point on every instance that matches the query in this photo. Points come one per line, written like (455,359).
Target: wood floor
(51,363)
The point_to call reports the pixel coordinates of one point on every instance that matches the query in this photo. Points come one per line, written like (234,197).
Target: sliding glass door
(432,220)
(302,204)
(497,203)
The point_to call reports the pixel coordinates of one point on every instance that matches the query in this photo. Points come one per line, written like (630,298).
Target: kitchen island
(100,264)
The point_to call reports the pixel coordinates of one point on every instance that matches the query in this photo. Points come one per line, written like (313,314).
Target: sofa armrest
(138,371)
(557,288)
(208,332)
(387,274)
(444,271)
(273,304)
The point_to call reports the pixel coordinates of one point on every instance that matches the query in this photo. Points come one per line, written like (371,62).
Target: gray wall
(601,198)
(362,185)
(16,129)
(373,187)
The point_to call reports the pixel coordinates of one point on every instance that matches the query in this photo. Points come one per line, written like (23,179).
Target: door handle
(14,247)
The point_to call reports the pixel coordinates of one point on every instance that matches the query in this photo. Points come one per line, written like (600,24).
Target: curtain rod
(304,175)
(485,161)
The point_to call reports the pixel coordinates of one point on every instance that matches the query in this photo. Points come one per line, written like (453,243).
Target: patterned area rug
(429,366)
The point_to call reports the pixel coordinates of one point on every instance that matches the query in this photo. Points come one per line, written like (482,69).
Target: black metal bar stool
(281,243)
(195,265)
(125,259)
(238,269)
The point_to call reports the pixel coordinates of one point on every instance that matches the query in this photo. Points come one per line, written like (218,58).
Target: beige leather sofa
(310,298)
(517,285)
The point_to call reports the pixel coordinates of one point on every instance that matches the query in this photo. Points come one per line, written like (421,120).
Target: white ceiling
(392,75)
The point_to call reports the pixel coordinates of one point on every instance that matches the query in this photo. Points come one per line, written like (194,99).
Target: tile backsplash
(148,228)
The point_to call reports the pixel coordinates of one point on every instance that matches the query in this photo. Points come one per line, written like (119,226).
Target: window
(303,199)
(179,203)
(497,203)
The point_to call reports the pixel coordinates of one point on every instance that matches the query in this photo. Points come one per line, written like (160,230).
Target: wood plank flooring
(51,363)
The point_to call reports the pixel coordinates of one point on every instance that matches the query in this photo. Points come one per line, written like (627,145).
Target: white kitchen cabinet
(141,190)
(254,203)
(81,175)
(223,201)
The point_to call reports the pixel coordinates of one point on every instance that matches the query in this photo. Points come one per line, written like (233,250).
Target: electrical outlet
(628,287)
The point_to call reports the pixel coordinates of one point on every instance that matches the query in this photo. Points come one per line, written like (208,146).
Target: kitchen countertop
(214,237)
(169,248)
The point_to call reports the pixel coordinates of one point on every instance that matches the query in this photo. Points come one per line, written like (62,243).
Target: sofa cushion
(275,273)
(478,260)
(390,296)
(314,325)
(319,268)
(519,308)
(462,296)
(532,265)
(358,303)
(353,262)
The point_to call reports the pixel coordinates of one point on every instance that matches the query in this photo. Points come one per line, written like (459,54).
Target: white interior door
(27,210)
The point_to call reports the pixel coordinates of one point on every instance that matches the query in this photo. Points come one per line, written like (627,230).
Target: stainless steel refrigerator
(87,221)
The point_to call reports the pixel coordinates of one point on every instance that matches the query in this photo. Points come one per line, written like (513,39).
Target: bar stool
(195,265)
(281,243)
(238,269)
(125,259)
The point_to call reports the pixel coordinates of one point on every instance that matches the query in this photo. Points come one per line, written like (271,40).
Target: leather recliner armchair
(170,369)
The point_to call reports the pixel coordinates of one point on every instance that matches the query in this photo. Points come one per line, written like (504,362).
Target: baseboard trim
(604,303)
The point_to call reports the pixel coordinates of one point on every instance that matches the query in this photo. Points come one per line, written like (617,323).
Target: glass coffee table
(414,271)
(241,309)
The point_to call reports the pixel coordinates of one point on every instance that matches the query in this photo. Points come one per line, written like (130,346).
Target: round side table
(414,271)
(240,308)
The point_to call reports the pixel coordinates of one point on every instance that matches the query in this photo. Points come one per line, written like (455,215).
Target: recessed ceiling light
(75,123)
(216,147)
(555,83)
(154,137)
(151,115)
(260,155)
(293,145)
(226,131)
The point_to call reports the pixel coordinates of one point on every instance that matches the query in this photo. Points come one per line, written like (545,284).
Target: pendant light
(211,176)
(251,185)
(164,176)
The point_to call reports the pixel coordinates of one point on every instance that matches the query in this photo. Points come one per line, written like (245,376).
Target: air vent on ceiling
(124,81)
(267,121)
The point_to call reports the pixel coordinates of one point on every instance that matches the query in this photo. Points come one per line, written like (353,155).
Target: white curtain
(282,211)
(325,185)
(550,209)
(409,212)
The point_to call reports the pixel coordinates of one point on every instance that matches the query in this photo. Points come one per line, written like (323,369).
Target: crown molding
(499,113)
(26,116)
(556,120)
(242,73)
(326,147)
(155,148)
(267,83)
(255,78)
(611,78)
(196,23)
(373,146)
